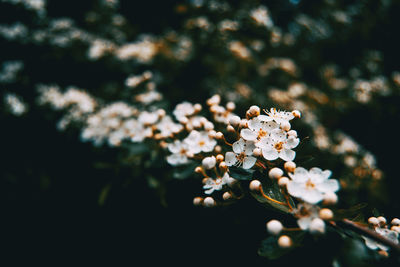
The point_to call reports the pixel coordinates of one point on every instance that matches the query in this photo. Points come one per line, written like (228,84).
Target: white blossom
(183,110)
(241,155)
(389,234)
(215,184)
(180,153)
(200,142)
(311,186)
(278,145)
(258,129)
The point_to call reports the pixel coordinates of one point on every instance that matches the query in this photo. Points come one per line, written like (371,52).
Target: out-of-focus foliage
(335,61)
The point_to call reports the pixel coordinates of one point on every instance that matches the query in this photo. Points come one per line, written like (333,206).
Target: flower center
(202,143)
(309,184)
(261,133)
(278,146)
(240,157)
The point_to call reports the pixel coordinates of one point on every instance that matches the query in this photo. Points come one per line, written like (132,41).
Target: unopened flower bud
(209,202)
(289,166)
(214,100)
(196,123)
(234,121)
(219,135)
(212,134)
(395,221)
(284,241)
(198,169)
(383,253)
(205,179)
(285,125)
(275,173)
(197,107)
(197,201)
(230,128)
(274,227)
(395,228)
(317,226)
(254,111)
(296,113)
(223,166)
(209,162)
(292,133)
(227,195)
(208,126)
(161,113)
(218,149)
(243,123)
(230,106)
(219,157)
(283,181)
(330,198)
(382,220)
(183,120)
(373,221)
(255,185)
(326,214)
(257,152)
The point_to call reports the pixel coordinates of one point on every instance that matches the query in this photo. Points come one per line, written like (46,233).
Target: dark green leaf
(270,248)
(104,194)
(240,173)
(351,212)
(272,190)
(185,171)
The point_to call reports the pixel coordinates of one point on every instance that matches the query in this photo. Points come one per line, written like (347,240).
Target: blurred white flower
(180,152)
(311,186)
(215,184)
(200,142)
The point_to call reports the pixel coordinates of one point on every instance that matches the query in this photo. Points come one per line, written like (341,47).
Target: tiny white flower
(183,110)
(278,116)
(180,152)
(305,214)
(389,234)
(241,155)
(200,142)
(258,129)
(215,184)
(167,127)
(148,118)
(311,186)
(278,145)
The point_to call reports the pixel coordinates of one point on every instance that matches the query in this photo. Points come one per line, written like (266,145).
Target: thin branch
(369,233)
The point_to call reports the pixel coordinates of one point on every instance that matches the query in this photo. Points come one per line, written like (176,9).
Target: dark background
(50,185)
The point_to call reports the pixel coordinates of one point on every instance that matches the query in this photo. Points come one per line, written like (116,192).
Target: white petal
(265,142)
(296,189)
(230,158)
(249,162)
(312,196)
(248,134)
(174,147)
(269,126)
(249,147)
(330,185)
(270,154)
(287,155)
(254,124)
(292,142)
(304,222)
(264,118)
(238,146)
(177,159)
(300,175)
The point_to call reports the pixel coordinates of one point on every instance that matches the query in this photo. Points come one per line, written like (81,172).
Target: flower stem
(345,223)
(271,199)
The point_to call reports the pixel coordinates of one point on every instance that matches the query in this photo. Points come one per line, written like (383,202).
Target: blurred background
(67,200)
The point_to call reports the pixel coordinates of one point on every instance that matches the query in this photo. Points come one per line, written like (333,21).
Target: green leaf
(185,171)
(272,190)
(240,173)
(270,248)
(350,213)
(104,194)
